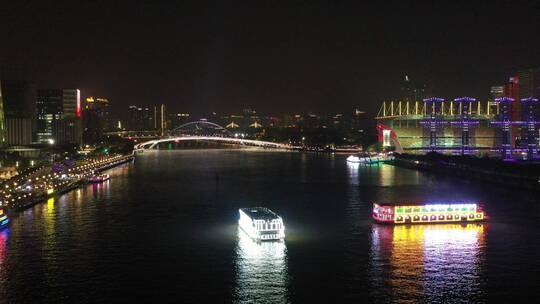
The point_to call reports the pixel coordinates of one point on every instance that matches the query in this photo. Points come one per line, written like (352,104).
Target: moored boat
(4,220)
(417,213)
(368,159)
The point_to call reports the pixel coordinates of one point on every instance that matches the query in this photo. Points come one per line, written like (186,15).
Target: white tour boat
(261,224)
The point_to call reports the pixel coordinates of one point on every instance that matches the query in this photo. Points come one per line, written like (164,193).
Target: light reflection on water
(101,189)
(4,233)
(261,271)
(437,263)
(352,170)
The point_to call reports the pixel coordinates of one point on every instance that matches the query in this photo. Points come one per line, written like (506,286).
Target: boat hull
(277,236)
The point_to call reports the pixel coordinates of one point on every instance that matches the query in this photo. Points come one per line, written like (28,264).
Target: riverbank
(511,173)
(26,191)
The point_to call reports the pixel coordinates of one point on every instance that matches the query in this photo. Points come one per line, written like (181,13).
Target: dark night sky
(269,55)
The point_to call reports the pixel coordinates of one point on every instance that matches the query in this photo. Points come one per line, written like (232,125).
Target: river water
(164,229)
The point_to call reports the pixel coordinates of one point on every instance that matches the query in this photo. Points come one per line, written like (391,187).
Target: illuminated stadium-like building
(463,125)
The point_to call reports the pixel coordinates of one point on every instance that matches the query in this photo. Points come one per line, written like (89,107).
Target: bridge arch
(215,133)
(200,126)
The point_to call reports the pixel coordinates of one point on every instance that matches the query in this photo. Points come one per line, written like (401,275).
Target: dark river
(164,229)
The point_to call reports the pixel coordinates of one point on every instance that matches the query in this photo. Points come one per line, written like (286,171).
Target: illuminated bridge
(205,131)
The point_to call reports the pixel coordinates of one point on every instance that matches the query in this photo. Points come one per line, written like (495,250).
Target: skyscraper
(512,90)
(71,103)
(18,97)
(2,126)
(141,118)
(96,118)
(411,92)
(49,108)
(407,90)
(59,116)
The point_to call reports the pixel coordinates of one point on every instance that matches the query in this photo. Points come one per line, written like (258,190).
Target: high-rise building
(96,119)
(49,108)
(407,90)
(141,118)
(54,105)
(411,92)
(512,90)
(2,126)
(18,96)
(71,103)
(103,105)
(530,128)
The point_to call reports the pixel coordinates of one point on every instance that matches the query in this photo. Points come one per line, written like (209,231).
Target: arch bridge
(203,130)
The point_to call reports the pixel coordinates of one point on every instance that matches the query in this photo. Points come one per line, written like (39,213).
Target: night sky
(273,56)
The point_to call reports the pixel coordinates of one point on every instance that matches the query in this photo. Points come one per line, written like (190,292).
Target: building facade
(462,125)
(422,126)
(96,119)
(18,96)
(2,122)
(141,118)
(59,116)
(19,131)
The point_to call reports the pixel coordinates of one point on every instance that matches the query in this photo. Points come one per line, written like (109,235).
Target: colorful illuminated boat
(414,213)
(4,220)
(261,224)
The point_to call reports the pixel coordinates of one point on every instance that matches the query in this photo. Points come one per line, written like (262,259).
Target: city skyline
(269,151)
(301,58)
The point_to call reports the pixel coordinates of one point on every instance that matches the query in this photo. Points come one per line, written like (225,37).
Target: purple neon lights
(504,99)
(434,99)
(465,99)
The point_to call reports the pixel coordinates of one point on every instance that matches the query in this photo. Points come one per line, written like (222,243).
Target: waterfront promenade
(34,185)
(513,173)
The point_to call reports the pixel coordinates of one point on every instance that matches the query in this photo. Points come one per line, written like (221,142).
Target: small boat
(381,158)
(261,224)
(4,220)
(417,213)
(98,178)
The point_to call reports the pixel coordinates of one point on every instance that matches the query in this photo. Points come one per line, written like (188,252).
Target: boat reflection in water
(261,271)
(4,233)
(428,263)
